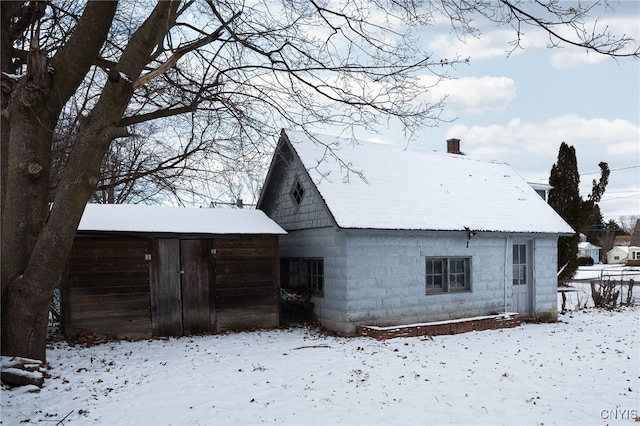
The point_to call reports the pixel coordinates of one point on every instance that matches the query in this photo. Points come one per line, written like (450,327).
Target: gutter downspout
(534,285)
(506,268)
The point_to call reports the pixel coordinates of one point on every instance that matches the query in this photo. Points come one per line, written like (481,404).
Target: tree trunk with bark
(37,237)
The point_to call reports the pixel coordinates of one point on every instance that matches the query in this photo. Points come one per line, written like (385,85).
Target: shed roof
(586,245)
(140,218)
(405,188)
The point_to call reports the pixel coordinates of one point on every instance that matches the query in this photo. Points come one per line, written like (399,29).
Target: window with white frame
(444,275)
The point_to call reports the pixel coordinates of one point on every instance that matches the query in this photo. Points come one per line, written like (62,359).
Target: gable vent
(297,193)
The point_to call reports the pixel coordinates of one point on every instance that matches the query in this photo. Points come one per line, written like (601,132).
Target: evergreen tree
(565,199)
(595,225)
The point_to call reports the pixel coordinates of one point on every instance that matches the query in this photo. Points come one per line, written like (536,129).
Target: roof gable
(635,236)
(141,218)
(622,249)
(381,186)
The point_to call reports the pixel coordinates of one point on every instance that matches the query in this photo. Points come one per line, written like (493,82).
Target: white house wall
(546,278)
(378,277)
(326,243)
(618,252)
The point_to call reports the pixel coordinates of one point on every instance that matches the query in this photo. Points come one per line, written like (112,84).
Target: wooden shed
(139,271)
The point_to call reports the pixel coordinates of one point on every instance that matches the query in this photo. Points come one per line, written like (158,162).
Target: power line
(598,172)
(618,198)
(611,170)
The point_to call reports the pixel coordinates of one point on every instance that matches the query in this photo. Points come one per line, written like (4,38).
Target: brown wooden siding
(107,286)
(189,286)
(247,282)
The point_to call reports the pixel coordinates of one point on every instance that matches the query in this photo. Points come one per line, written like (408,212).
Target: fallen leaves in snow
(583,369)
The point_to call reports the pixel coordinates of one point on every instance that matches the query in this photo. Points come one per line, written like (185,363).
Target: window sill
(431,293)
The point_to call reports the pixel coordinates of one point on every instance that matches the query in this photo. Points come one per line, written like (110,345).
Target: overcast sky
(519,108)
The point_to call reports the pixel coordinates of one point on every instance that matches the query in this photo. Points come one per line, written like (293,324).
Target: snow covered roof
(178,220)
(585,245)
(420,190)
(623,249)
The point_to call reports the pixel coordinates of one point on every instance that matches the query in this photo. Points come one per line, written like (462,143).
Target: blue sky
(518,109)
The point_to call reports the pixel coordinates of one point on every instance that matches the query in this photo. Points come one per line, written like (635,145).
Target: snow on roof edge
(175,220)
(351,211)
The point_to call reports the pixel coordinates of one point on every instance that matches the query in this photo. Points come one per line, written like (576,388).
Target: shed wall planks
(107,286)
(188,286)
(247,282)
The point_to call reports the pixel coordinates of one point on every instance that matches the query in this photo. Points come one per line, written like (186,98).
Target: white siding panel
(546,280)
(374,280)
(386,285)
(331,309)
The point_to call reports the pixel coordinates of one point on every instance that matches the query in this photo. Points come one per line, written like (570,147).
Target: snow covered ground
(583,369)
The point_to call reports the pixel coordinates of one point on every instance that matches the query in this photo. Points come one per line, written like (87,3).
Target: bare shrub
(604,294)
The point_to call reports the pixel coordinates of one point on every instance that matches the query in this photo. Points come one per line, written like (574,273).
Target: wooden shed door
(198,312)
(181,287)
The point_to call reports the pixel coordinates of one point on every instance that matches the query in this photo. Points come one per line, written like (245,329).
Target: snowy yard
(582,370)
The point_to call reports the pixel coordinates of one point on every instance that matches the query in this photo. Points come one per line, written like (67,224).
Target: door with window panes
(523,277)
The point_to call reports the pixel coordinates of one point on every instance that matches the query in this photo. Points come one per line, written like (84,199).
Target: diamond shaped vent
(297,192)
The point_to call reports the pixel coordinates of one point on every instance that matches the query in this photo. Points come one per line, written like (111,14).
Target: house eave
(168,235)
(485,231)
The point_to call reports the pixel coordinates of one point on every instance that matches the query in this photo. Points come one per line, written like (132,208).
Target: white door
(523,278)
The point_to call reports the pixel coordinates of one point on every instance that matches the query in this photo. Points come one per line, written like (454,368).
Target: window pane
(458,271)
(519,253)
(519,274)
(519,264)
(315,274)
(434,275)
(289,273)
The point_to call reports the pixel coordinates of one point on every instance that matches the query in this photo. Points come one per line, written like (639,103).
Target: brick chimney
(453,146)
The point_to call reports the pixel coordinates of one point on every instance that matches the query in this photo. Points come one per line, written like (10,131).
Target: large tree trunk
(35,245)
(36,237)
(25,211)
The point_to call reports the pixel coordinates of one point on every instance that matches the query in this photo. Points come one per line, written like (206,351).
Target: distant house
(634,246)
(586,249)
(618,254)
(622,240)
(139,271)
(382,235)
(542,189)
